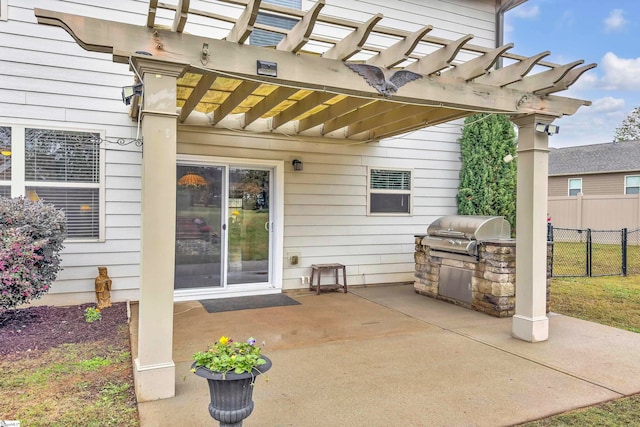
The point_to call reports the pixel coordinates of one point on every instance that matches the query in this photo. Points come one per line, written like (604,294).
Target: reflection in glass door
(199,234)
(249,226)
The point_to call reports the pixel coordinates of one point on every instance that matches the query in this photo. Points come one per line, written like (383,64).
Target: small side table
(319,268)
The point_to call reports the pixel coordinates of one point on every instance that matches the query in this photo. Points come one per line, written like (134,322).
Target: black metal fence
(586,252)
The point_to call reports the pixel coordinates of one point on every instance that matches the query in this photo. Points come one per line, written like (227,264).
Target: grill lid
(470,227)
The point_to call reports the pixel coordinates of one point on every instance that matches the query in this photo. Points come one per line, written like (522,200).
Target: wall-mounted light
(128,92)
(549,129)
(297,165)
(266,68)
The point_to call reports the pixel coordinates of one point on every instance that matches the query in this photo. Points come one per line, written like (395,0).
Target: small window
(390,191)
(575,186)
(632,184)
(4,10)
(267,38)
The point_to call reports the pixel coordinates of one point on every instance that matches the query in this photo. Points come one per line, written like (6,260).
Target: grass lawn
(613,301)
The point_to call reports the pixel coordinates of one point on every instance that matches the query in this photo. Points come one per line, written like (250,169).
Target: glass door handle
(266,226)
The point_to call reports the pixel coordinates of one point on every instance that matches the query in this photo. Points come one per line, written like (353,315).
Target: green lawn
(613,301)
(569,259)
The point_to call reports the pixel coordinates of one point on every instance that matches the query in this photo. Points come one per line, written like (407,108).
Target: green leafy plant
(92,314)
(227,355)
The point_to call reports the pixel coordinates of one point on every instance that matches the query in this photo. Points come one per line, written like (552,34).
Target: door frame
(277,237)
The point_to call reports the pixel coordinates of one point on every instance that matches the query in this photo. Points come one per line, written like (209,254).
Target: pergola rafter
(316,93)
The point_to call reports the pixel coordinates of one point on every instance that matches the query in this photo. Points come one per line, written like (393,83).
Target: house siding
(599,184)
(46,79)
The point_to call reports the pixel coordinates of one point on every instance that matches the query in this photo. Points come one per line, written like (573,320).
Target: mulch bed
(43,327)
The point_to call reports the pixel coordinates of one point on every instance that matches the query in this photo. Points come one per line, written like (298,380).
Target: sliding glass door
(223,226)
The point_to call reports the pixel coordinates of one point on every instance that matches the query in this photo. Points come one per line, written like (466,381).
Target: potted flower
(230,368)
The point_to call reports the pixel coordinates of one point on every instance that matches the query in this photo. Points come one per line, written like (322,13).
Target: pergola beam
(478,66)
(570,78)
(298,36)
(334,110)
(545,79)
(244,26)
(374,109)
(428,118)
(151,15)
(400,51)
(299,108)
(263,107)
(440,59)
(398,113)
(511,73)
(182,13)
(352,44)
(201,89)
(233,100)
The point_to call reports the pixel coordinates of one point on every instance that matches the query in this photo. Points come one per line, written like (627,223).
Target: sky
(605,32)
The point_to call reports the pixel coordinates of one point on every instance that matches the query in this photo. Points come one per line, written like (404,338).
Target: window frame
(633,186)
(371,191)
(569,186)
(19,183)
(4,10)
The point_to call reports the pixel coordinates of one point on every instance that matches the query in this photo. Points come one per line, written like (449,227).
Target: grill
(461,234)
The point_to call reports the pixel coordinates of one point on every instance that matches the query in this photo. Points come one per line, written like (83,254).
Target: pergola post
(154,367)
(530,322)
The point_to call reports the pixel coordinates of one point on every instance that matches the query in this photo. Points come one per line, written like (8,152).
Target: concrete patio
(384,355)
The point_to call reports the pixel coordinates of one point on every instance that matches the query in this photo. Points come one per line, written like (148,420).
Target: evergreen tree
(487,182)
(629,129)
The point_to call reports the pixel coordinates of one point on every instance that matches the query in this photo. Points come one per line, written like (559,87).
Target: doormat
(246,303)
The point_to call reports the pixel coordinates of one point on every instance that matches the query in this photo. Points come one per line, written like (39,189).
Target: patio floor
(384,355)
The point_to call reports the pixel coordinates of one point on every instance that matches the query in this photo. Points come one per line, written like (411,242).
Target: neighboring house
(258,161)
(595,186)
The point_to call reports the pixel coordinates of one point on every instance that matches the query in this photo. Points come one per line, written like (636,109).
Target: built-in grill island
(470,261)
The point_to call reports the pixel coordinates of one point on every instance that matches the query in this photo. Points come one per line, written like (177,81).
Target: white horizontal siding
(47,80)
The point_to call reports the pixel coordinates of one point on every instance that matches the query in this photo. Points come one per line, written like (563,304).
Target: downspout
(500,11)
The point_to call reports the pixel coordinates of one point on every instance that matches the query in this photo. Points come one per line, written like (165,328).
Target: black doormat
(246,303)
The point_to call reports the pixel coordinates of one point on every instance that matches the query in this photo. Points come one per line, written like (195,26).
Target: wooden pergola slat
(244,26)
(299,35)
(448,88)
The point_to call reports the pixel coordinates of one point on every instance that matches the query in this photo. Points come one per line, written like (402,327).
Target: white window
(575,186)
(4,10)
(632,184)
(267,38)
(389,191)
(61,167)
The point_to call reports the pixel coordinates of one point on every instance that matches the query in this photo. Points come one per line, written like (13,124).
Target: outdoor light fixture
(297,165)
(128,92)
(266,68)
(549,129)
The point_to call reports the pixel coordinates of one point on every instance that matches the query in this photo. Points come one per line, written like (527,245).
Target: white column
(530,322)
(154,367)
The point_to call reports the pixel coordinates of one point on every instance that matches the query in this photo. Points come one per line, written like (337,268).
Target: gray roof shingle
(610,157)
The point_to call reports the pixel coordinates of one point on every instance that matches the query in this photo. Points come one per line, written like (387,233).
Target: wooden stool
(334,287)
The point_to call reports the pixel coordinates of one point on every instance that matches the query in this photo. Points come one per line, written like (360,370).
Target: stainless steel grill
(461,234)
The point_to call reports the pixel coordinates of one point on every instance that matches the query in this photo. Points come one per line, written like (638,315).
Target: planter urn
(231,393)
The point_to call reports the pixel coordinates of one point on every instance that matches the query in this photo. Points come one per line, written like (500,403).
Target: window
(267,38)
(632,184)
(575,186)
(4,10)
(389,191)
(61,167)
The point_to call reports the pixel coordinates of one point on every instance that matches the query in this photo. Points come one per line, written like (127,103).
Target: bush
(31,237)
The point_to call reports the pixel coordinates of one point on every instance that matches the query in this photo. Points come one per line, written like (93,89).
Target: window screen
(63,168)
(632,184)
(389,191)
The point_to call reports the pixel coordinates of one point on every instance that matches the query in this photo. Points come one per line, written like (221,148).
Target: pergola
(414,81)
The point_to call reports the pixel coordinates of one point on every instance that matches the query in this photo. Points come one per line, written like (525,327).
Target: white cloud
(620,73)
(527,12)
(607,104)
(615,21)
